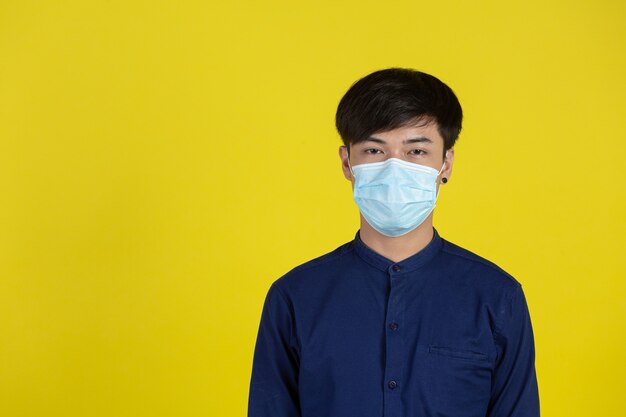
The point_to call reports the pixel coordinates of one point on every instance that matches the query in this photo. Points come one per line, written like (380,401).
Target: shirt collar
(406,265)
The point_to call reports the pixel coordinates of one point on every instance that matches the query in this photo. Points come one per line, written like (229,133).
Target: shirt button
(393,326)
(392,384)
(396,268)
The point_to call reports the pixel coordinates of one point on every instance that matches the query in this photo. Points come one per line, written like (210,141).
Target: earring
(444,180)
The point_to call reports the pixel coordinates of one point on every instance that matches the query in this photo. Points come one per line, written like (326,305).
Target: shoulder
(498,288)
(319,267)
(479,268)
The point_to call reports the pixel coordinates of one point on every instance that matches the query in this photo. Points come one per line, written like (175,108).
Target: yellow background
(162,163)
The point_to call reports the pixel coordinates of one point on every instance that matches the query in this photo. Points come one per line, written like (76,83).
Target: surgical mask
(395,196)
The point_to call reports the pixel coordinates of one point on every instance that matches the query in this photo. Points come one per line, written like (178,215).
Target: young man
(398,322)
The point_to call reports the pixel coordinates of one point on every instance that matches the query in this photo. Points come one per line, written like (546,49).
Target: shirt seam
(320,262)
(293,332)
(499,327)
(484,262)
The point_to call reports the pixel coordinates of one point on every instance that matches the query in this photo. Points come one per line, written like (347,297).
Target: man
(398,322)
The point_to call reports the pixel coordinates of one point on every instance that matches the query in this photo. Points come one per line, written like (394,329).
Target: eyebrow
(417,139)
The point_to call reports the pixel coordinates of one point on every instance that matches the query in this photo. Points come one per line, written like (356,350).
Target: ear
(449,160)
(345,166)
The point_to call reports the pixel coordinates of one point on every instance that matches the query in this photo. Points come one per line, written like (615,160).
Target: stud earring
(444,180)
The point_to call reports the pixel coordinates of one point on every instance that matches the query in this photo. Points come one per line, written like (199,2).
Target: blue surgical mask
(395,196)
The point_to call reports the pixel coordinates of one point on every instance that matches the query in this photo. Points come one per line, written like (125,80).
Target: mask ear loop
(441,170)
(445,159)
(349,164)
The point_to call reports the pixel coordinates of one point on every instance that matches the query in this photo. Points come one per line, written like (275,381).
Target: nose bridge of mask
(445,159)
(393,165)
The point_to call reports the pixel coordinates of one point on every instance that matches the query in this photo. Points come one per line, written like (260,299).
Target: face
(420,144)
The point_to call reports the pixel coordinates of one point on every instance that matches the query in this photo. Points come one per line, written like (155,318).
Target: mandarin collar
(406,265)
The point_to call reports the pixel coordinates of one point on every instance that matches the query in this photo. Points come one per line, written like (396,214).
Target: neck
(401,247)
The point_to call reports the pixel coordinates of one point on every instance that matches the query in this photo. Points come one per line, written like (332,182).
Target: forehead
(426,133)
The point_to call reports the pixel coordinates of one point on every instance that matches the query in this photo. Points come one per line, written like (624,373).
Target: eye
(417,152)
(372,151)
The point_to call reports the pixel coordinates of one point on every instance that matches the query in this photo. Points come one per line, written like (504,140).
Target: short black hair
(396,97)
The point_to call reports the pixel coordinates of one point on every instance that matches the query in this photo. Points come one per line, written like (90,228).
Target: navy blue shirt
(443,333)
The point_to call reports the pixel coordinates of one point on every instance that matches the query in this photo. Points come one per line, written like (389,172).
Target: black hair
(397,97)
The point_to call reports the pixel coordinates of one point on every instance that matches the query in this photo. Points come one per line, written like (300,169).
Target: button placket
(394,358)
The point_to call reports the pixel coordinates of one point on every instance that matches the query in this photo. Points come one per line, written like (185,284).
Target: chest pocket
(460,379)
(458,354)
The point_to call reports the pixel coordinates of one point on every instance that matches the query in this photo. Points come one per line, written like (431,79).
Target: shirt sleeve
(275,367)
(514,385)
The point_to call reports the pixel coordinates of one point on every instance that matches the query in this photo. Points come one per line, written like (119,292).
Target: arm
(514,390)
(274,381)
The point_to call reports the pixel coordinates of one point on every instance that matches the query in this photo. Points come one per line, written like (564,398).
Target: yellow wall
(162,163)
